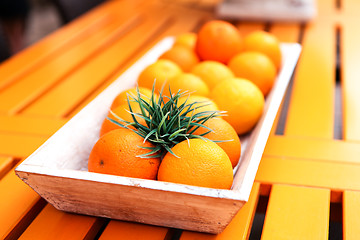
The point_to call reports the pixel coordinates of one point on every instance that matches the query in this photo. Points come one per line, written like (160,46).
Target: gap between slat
(173,234)
(97,229)
(26,220)
(335,221)
(338,117)
(259,218)
(267,26)
(338,4)
(280,127)
(7,164)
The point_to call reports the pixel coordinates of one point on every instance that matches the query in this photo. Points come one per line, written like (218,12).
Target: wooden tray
(57,171)
(268,10)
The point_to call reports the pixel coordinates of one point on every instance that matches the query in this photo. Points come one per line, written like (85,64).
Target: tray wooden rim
(240,192)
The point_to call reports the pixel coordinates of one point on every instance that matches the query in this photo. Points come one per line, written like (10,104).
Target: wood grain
(138,204)
(351,213)
(19,145)
(59,225)
(313,149)
(350,51)
(311,110)
(128,230)
(30,124)
(239,227)
(309,218)
(309,172)
(18,205)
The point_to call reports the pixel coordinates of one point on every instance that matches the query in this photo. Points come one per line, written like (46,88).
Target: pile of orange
(219,68)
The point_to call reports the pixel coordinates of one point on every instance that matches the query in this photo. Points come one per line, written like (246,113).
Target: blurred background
(24,22)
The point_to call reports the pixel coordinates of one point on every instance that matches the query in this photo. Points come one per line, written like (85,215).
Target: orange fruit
(187,82)
(222,130)
(200,163)
(266,43)
(243,101)
(161,71)
(203,103)
(218,41)
(186,39)
(212,72)
(122,112)
(183,56)
(122,97)
(117,153)
(255,67)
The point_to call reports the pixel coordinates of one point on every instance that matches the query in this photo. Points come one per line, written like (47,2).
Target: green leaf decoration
(167,122)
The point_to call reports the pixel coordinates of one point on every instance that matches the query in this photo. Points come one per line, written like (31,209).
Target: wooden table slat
(73,33)
(327,9)
(247,28)
(23,92)
(289,32)
(62,99)
(351,215)
(350,8)
(350,52)
(313,149)
(172,26)
(30,124)
(311,111)
(20,145)
(284,33)
(302,172)
(17,201)
(59,225)
(6,163)
(133,231)
(297,213)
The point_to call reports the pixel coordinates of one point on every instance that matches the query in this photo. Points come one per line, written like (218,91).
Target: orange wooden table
(308,182)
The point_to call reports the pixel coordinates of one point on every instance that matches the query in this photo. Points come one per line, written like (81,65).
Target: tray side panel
(132,203)
(256,140)
(84,128)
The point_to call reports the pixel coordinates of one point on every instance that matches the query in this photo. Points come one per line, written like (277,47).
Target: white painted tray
(58,169)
